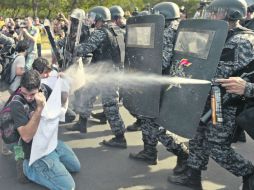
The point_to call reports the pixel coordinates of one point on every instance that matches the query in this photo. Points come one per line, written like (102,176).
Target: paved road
(110,169)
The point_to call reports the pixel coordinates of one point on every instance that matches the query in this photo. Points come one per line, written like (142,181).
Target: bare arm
(28,131)
(20,71)
(29,36)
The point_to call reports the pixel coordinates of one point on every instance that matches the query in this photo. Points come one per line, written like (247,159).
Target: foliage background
(50,8)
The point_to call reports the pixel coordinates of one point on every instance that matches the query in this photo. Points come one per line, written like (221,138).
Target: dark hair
(21,46)
(41,64)
(30,80)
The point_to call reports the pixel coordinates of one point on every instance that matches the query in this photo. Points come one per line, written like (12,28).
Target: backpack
(6,74)
(7,129)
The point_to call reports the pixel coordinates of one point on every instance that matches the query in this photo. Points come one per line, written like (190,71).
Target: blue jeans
(52,171)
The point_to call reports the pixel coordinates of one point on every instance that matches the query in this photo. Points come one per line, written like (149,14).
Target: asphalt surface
(106,168)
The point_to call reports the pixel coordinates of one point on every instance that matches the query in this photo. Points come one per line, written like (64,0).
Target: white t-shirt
(18,62)
(51,81)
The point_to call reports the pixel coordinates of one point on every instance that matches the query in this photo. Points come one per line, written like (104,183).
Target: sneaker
(144,156)
(5,151)
(115,142)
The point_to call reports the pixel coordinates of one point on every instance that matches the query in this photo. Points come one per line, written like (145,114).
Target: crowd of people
(33,80)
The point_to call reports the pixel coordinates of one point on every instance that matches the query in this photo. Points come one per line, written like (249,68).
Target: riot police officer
(118,25)
(103,44)
(215,140)
(117,16)
(152,132)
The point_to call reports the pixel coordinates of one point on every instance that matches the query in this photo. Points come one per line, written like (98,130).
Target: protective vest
(108,50)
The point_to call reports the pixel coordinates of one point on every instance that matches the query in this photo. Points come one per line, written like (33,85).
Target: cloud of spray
(103,75)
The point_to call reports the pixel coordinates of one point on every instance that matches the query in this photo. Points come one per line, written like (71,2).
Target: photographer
(29,33)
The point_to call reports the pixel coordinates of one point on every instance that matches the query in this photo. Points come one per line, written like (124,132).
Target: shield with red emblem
(197,52)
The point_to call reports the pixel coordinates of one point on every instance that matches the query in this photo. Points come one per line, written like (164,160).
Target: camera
(22,25)
(59,16)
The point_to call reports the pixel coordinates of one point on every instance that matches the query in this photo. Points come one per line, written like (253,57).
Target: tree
(50,8)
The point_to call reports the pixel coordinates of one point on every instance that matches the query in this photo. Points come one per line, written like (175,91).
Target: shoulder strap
(18,98)
(17,92)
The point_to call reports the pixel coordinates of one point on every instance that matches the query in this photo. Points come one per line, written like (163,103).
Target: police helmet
(100,13)
(169,10)
(116,12)
(232,9)
(78,14)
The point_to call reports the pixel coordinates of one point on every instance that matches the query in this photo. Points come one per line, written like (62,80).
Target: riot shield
(197,51)
(73,36)
(143,53)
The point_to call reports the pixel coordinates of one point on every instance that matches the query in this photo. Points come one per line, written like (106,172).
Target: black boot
(80,126)
(136,126)
(100,116)
(239,135)
(190,178)
(118,142)
(248,182)
(181,164)
(148,155)
(70,116)
(242,137)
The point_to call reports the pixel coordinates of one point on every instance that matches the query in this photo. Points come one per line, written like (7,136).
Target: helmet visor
(92,18)
(214,13)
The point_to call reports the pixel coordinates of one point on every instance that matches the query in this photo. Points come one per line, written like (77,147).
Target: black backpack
(6,74)
(7,129)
